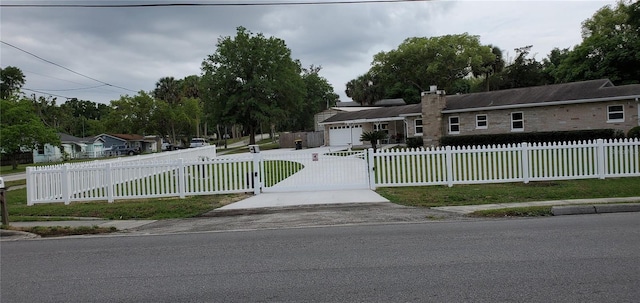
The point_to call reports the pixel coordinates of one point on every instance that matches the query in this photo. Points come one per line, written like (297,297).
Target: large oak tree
(251,80)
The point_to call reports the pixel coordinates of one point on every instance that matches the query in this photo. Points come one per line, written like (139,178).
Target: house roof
(64,138)
(377,114)
(379,103)
(125,137)
(566,93)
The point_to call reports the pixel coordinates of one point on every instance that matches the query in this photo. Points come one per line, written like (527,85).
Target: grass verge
(143,209)
(58,231)
(434,196)
(532,211)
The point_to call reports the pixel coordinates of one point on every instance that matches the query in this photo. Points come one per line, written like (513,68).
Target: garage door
(343,135)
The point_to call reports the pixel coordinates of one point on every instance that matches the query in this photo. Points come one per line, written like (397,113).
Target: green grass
(433,196)
(532,211)
(149,209)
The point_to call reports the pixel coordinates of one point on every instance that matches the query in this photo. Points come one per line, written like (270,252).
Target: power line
(58,65)
(69,89)
(296,3)
(44,93)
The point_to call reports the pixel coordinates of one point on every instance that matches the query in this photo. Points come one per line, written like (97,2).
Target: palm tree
(373,137)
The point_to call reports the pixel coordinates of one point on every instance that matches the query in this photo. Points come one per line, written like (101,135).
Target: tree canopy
(21,129)
(420,62)
(12,79)
(251,80)
(610,47)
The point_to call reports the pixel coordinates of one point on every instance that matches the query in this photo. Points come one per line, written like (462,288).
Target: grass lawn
(433,196)
(148,209)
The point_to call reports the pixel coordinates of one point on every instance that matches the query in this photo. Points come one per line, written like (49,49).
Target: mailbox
(254,149)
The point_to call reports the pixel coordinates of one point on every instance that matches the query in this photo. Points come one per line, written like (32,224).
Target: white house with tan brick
(594,104)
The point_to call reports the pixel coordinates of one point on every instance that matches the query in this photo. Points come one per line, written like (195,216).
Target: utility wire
(44,93)
(58,65)
(69,89)
(209,4)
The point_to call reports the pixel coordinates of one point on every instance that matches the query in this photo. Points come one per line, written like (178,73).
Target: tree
(21,129)
(12,81)
(365,90)
(490,68)
(167,89)
(319,96)
(373,137)
(523,72)
(420,62)
(132,115)
(609,47)
(251,79)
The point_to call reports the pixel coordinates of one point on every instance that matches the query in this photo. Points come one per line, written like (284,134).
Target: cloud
(135,47)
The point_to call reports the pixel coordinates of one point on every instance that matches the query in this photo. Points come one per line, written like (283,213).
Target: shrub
(535,137)
(634,132)
(414,142)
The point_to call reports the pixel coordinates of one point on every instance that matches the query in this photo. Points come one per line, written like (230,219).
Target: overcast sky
(132,48)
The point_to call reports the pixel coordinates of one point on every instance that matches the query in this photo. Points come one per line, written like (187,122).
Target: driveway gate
(304,171)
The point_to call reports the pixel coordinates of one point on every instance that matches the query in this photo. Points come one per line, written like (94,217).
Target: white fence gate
(314,171)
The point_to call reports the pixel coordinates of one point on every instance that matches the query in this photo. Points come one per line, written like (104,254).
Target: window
(384,127)
(615,113)
(418,126)
(454,125)
(481,122)
(517,122)
(40,149)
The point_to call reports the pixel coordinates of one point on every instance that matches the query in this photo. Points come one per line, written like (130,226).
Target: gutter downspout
(638,106)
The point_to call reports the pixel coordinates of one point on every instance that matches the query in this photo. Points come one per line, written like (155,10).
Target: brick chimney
(433,102)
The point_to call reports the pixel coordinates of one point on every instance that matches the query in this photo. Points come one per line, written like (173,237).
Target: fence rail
(507,163)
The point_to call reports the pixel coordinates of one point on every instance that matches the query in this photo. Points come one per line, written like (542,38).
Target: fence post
(371,168)
(181,178)
(257,182)
(449,162)
(601,158)
(66,183)
(109,182)
(30,188)
(524,161)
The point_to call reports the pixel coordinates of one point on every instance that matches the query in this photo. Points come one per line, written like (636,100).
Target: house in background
(145,144)
(594,104)
(397,121)
(70,148)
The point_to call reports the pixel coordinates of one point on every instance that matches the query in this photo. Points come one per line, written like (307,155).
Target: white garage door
(342,135)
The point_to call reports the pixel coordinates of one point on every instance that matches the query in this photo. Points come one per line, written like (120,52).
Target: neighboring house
(397,121)
(595,104)
(342,107)
(70,148)
(145,144)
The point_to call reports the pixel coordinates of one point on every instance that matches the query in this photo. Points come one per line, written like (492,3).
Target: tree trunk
(14,162)
(252,134)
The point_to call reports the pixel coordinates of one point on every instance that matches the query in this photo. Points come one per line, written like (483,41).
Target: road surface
(589,258)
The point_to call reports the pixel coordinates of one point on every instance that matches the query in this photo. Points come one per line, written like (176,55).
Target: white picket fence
(199,171)
(145,176)
(507,163)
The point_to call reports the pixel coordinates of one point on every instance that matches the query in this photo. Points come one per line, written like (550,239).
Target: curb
(10,235)
(594,209)
(280,209)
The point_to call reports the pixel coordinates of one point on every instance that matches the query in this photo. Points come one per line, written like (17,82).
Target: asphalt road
(588,258)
